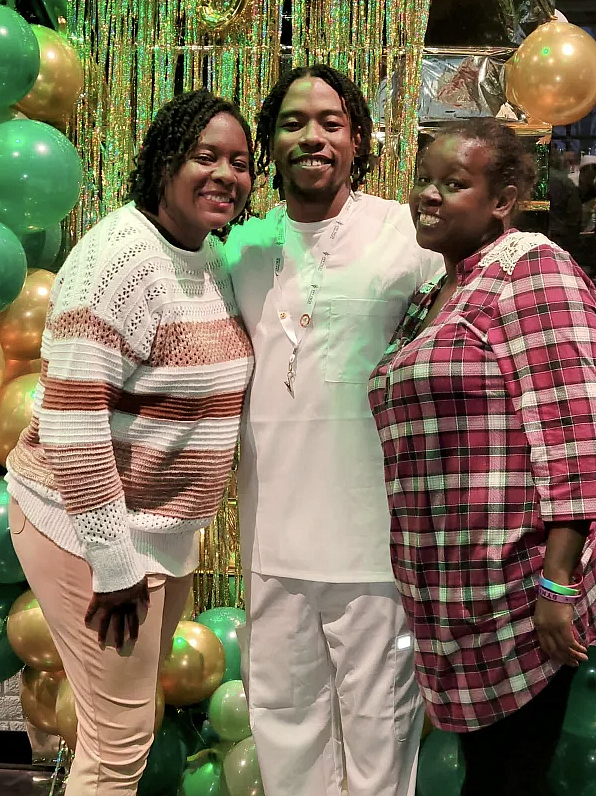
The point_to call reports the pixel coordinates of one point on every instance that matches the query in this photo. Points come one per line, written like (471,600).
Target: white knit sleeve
(99,330)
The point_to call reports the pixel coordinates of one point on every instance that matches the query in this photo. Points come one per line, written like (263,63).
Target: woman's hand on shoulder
(118,610)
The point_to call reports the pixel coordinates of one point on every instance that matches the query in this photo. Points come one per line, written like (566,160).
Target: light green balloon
(228,711)
(40,175)
(13,266)
(242,775)
(19,57)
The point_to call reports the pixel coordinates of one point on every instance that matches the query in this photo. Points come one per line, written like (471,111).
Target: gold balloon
(16,405)
(19,367)
(59,81)
(160,706)
(552,76)
(195,666)
(189,606)
(217,15)
(66,715)
(2,366)
(38,698)
(30,636)
(427,726)
(23,321)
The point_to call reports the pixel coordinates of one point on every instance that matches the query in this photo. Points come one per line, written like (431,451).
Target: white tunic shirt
(311,485)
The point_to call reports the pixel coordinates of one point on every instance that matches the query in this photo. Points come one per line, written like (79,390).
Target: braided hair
(353,101)
(170,139)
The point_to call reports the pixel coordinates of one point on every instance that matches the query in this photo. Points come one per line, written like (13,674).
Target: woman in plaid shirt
(485,403)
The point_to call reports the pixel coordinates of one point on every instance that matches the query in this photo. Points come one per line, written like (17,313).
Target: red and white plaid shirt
(488,426)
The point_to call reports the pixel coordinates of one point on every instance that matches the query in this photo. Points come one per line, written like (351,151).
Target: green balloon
(228,711)
(241,772)
(190,726)
(10,664)
(13,265)
(223,622)
(580,716)
(42,248)
(573,770)
(441,766)
(167,758)
(10,567)
(208,735)
(40,175)
(202,779)
(19,57)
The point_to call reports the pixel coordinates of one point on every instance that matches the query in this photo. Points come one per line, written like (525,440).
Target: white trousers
(330,682)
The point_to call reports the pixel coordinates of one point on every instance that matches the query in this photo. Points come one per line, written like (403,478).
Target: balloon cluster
(202,745)
(41,78)
(201,680)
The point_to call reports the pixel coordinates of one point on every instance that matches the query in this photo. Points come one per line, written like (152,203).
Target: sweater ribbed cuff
(115,566)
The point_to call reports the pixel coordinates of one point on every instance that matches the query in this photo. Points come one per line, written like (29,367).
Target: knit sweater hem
(173,553)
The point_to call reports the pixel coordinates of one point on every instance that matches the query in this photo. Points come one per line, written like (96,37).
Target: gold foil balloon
(189,606)
(552,76)
(22,323)
(160,706)
(195,666)
(39,690)
(66,715)
(427,727)
(30,636)
(59,81)
(16,405)
(217,15)
(19,367)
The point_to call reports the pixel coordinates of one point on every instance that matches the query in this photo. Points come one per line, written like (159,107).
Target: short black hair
(509,163)
(170,139)
(355,105)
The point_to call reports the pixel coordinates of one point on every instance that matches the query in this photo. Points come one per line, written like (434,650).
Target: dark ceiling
(579,12)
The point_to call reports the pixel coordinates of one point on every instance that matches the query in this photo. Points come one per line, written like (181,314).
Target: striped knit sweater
(144,369)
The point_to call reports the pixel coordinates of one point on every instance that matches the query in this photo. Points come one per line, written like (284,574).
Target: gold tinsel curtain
(138,53)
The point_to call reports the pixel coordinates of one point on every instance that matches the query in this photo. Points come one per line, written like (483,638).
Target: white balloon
(560,16)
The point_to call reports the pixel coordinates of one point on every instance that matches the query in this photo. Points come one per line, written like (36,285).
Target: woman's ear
(505,202)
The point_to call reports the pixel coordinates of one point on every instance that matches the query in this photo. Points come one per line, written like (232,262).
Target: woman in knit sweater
(145,366)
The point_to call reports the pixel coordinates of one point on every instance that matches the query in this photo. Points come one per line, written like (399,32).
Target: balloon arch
(202,740)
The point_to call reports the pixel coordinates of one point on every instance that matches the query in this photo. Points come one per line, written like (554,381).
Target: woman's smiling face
(452,205)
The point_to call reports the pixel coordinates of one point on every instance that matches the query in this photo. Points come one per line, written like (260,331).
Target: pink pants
(114,691)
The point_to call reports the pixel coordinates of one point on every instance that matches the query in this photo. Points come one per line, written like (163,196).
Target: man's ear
(356,141)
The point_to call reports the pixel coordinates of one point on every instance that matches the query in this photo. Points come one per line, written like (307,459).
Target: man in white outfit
(322,283)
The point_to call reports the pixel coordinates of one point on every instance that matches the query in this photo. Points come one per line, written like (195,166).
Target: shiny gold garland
(135,53)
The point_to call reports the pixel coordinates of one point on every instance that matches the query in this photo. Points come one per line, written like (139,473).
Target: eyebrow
(323,114)
(215,148)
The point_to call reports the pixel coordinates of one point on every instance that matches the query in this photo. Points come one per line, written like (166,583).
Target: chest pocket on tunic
(358,333)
